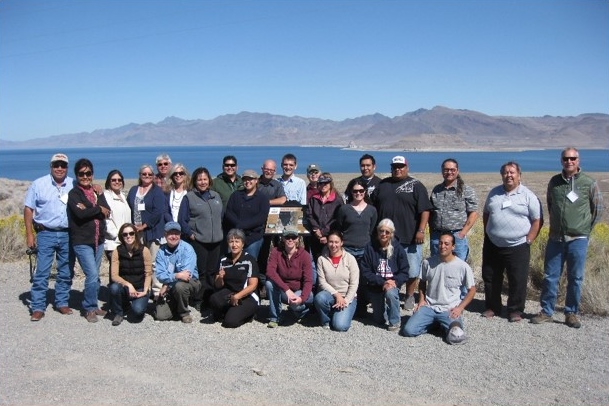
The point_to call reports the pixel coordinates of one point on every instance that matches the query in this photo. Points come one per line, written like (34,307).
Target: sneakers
(409,303)
(393,327)
(542,318)
(187,319)
(326,327)
(37,315)
(91,316)
(272,324)
(572,321)
(456,335)
(117,320)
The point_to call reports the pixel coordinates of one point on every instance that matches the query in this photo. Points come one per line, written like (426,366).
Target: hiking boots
(572,321)
(542,318)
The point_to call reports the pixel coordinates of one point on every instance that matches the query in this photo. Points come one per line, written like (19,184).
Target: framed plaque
(282,217)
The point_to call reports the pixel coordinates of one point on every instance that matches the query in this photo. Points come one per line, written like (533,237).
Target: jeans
(89,258)
(425,317)
(254,248)
(385,306)
(414,254)
(339,320)
(557,253)
(277,296)
(120,294)
(461,245)
(52,245)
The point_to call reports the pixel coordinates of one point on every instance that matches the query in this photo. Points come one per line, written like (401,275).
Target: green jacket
(225,188)
(570,216)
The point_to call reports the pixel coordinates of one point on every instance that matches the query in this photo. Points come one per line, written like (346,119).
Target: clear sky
(72,66)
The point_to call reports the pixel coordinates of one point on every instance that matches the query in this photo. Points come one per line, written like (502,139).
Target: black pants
(208,263)
(234,316)
(515,262)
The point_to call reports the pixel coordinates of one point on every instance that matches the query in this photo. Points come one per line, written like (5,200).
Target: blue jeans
(557,253)
(414,254)
(385,306)
(89,258)
(52,245)
(339,320)
(254,248)
(119,294)
(461,245)
(277,296)
(425,317)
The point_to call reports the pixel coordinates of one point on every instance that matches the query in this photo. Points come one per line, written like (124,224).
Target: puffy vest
(131,268)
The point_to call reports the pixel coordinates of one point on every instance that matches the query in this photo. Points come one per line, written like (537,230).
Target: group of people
(187,240)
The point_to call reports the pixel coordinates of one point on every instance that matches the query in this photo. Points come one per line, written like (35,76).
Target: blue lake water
(30,164)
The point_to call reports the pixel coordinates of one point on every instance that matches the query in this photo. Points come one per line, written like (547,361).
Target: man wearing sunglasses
(575,205)
(45,212)
(163,164)
(228,180)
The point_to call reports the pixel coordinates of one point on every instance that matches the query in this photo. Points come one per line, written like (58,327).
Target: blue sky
(72,66)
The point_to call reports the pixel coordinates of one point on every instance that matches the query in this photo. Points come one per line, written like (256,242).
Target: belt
(56,230)
(448,231)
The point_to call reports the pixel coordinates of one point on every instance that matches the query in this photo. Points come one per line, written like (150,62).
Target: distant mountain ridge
(436,129)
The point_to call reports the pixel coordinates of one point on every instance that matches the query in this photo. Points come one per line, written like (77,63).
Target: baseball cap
(399,160)
(172,225)
(59,157)
(250,173)
(313,167)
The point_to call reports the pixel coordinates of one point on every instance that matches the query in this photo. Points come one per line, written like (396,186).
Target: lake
(31,164)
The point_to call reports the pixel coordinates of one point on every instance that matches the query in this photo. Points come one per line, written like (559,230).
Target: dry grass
(595,292)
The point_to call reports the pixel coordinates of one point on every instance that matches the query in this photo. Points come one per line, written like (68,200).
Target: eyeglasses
(178,173)
(129,234)
(116,180)
(569,158)
(451,170)
(83,174)
(230,165)
(384,232)
(358,191)
(163,164)
(61,165)
(146,175)
(290,237)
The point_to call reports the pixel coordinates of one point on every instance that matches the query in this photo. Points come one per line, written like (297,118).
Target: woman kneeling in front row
(338,279)
(236,300)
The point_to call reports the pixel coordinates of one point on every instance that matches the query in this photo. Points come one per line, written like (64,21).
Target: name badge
(506,203)
(141,206)
(64,198)
(572,196)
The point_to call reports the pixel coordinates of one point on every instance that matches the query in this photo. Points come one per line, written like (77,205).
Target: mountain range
(439,128)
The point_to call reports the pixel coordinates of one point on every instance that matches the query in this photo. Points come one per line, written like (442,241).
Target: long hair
(136,243)
(460,182)
(171,184)
(387,223)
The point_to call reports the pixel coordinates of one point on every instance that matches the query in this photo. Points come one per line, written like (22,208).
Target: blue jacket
(153,215)
(168,263)
(376,268)
(248,213)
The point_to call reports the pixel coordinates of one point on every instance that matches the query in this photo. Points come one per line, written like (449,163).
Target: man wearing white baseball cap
(405,200)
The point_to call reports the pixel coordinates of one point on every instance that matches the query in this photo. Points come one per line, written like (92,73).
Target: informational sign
(281,217)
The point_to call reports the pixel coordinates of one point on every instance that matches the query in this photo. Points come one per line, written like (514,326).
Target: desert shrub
(12,238)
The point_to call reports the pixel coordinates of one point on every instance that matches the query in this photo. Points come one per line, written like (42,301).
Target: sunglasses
(62,165)
(449,170)
(398,166)
(163,164)
(116,180)
(129,234)
(178,173)
(569,158)
(290,237)
(358,191)
(83,174)
(230,165)
(146,175)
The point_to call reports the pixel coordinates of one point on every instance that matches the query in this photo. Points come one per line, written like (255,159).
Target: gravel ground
(63,360)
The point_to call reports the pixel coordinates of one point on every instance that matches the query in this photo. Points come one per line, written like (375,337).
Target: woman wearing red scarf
(87,213)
